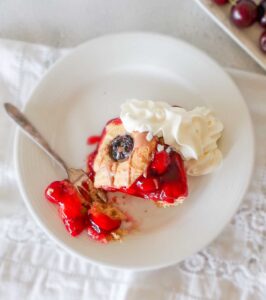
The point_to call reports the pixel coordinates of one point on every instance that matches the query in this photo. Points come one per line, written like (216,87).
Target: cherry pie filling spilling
(126,163)
(138,154)
(101,220)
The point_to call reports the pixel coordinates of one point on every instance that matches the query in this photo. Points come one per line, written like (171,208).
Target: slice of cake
(147,152)
(139,165)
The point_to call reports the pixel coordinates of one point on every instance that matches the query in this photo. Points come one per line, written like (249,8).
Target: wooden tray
(247,38)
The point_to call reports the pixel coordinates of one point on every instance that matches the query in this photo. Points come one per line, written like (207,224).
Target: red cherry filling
(147,185)
(90,161)
(75,225)
(160,162)
(70,208)
(71,211)
(167,186)
(97,236)
(104,219)
(104,222)
(165,179)
(75,215)
(94,139)
(57,191)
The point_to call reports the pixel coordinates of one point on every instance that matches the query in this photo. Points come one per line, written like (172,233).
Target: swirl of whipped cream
(194,134)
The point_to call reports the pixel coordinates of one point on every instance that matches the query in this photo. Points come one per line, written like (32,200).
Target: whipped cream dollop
(194,133)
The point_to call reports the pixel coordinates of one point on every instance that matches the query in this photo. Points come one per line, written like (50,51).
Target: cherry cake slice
(137,164)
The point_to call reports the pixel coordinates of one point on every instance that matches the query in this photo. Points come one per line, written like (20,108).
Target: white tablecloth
(32,267)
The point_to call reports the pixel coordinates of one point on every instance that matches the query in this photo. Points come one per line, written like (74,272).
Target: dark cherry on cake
(136,165)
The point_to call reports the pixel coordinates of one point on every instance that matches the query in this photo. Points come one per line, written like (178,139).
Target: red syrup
(94,139)
(167,186)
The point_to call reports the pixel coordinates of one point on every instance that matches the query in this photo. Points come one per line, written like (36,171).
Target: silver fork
(76,176)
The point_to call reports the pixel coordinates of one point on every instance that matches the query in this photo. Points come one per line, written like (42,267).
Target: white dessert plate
(84,90)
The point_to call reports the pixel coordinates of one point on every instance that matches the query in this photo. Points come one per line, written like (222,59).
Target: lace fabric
(33,267)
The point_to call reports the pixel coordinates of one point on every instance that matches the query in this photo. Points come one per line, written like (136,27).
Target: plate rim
(123,266)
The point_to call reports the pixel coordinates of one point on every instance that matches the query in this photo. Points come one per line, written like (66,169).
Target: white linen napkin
(32,267)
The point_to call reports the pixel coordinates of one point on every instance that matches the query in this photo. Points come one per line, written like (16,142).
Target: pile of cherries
(244,13)
(78,216)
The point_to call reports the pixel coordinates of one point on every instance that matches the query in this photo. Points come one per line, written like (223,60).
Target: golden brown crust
(112,174)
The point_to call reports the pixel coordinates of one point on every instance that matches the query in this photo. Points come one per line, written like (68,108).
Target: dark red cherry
(121,147)
(75,225)
(57,191)
(73,215)
(70,208)
(160,162)
(244,13)
(104,222)
(148,185)
(71,211)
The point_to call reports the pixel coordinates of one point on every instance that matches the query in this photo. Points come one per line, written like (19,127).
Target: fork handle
(33,133)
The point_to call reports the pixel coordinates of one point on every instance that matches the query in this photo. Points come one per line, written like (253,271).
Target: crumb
(116,236)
